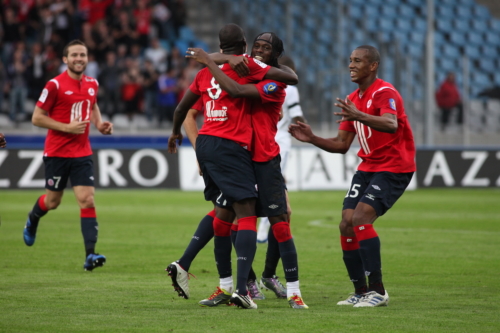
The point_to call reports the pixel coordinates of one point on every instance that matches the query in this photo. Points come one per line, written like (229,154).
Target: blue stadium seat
(480,79)
(479,25)
(186,33)
(489,51)
(466,3)
(462,12)
(492,38)
(487,64)
(415,3)
(481,12)
(446,64)
(414,50)
(355,12)
(450,51)
(182,45)
(202,45)
(472,51)
(494,25)
(403,24)
(457,38)
(474,38)
(462,25)
(388,12)
(417,37)
(370,24)
(444,25)
(419,24)
(406,11)
(386,24)
(444,12)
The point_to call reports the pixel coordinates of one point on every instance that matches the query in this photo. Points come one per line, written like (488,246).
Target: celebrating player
(375,112)
(67,105)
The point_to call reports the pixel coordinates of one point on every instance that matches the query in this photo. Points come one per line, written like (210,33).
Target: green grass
(440,253)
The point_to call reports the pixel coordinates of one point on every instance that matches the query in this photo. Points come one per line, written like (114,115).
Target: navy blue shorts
(380,190)
(79,170)
(227,170)
(271,187)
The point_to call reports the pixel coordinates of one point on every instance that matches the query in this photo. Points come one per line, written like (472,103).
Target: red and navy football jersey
(66,99)
(392,152)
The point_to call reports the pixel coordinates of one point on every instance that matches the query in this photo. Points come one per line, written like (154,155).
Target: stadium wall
(143,162)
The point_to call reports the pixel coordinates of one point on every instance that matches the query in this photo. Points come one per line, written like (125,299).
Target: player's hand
(3,142)
(106,128)
(77,127)
(198,55)
(239,64)
(349,111)
(301,132)
(173,141)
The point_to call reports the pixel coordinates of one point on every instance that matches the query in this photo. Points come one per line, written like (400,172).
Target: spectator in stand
(94,10)
(167,98)
(3,84)
(36,71)
(157,54)
(131,90)
(92,69)
(188,75)
(448,98)
(162,19)
(136,53)
(103,41)
(124,31)
(12,33)
(110,81)
(176,61)
(150,85)
(18,81)
(143,17)
(63,11)
(179,15)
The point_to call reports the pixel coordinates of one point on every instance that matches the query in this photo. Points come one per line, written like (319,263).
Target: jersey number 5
(353,192)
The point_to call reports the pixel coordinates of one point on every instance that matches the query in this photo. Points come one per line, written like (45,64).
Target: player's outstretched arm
(105,127)
(283,74)
(41,119)
(180,114)
(237,63)
(340,144)
(191,127)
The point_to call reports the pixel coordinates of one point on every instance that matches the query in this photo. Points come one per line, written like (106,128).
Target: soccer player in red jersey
(67,105)
(375,112)
(223,152)
(267,99)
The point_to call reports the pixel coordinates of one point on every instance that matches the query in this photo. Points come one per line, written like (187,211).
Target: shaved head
(231,36)
(372,53)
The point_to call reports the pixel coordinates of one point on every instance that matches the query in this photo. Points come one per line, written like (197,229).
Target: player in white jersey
(292,112)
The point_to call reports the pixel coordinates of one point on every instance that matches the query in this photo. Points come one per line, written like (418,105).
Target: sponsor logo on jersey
(270,88)
(369,103)
(43,96)
(376,187)
(89,79)
(260,63)
(215,115)
(91,91)
(69,92)
(392,103)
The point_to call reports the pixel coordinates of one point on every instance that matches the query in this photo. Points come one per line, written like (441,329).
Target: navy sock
(288,253)
(369,249)
(223,247)
(37,212)
(353,263)
(88,222)
(272,256)
(203,234)
(246,246)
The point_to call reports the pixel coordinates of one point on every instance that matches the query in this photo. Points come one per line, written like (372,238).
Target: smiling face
(262,49)
(76,59)
(361,67)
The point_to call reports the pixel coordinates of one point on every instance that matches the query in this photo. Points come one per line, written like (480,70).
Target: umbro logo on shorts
(273,206)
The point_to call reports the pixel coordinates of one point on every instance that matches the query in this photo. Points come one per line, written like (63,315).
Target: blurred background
(136,51)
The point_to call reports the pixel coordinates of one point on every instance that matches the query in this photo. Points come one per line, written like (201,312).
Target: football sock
(251,275)
(201,237)
(227,284)
(369,248)
(353,263)
(39,210)
(292,288)
(287,250)
(246,246)
(272,256)
(234,233)
(90,228)
(222,247)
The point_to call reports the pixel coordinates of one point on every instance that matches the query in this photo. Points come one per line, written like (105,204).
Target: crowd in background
(131,47)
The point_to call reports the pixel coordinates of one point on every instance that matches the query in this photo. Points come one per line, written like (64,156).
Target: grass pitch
(440,254)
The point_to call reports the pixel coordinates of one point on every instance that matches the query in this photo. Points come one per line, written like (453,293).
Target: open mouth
(258,58)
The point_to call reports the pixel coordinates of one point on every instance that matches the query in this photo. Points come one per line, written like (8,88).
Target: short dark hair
(287,61)
(373,54)
(232,38)
(277,45)
(73,42)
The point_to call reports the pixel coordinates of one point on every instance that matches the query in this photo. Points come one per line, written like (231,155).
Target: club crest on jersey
(392,103)
(91,91)
(369,103)
(270,88)
(44,95)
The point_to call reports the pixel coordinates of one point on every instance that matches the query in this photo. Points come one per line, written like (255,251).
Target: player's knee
(278,218)
(345,226)
(87,202)
(53,204)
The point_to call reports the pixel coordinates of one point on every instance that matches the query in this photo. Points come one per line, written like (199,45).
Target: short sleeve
(271,91)
(198,106)
(258,69)
(386,101)
(293,102)
(48,96)
(347,126)
(194,87)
